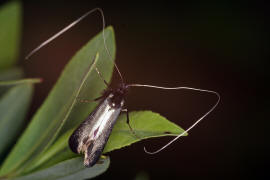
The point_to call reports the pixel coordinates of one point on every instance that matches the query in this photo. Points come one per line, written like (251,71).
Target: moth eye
(111,95)
(113,104)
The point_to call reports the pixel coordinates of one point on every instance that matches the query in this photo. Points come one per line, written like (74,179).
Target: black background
(221,46)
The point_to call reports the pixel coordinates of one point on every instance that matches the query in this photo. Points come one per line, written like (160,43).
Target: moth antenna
(73,24)
(194,124)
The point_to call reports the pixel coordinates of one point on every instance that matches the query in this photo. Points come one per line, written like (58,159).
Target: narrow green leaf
(20,81)
(58,152)
(11,74)
(13,107)
(60,111)
(10,23)
(145,124)
(60,156)
(69,169)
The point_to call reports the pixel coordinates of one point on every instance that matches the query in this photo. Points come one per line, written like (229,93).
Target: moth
(92,134)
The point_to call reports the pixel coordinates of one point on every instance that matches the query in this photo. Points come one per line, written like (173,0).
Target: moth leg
(101,159)
(83,100)
(133,132)
(87,100)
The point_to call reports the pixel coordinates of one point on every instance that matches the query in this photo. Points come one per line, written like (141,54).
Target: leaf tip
(110,28)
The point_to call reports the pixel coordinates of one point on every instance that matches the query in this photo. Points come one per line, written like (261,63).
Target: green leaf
(58,152)
(11,74)
(13,107)
(21,81)
(60,111)
(145,124)
(10,23)
(69,169)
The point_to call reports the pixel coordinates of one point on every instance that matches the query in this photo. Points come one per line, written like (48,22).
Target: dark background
(221,46)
